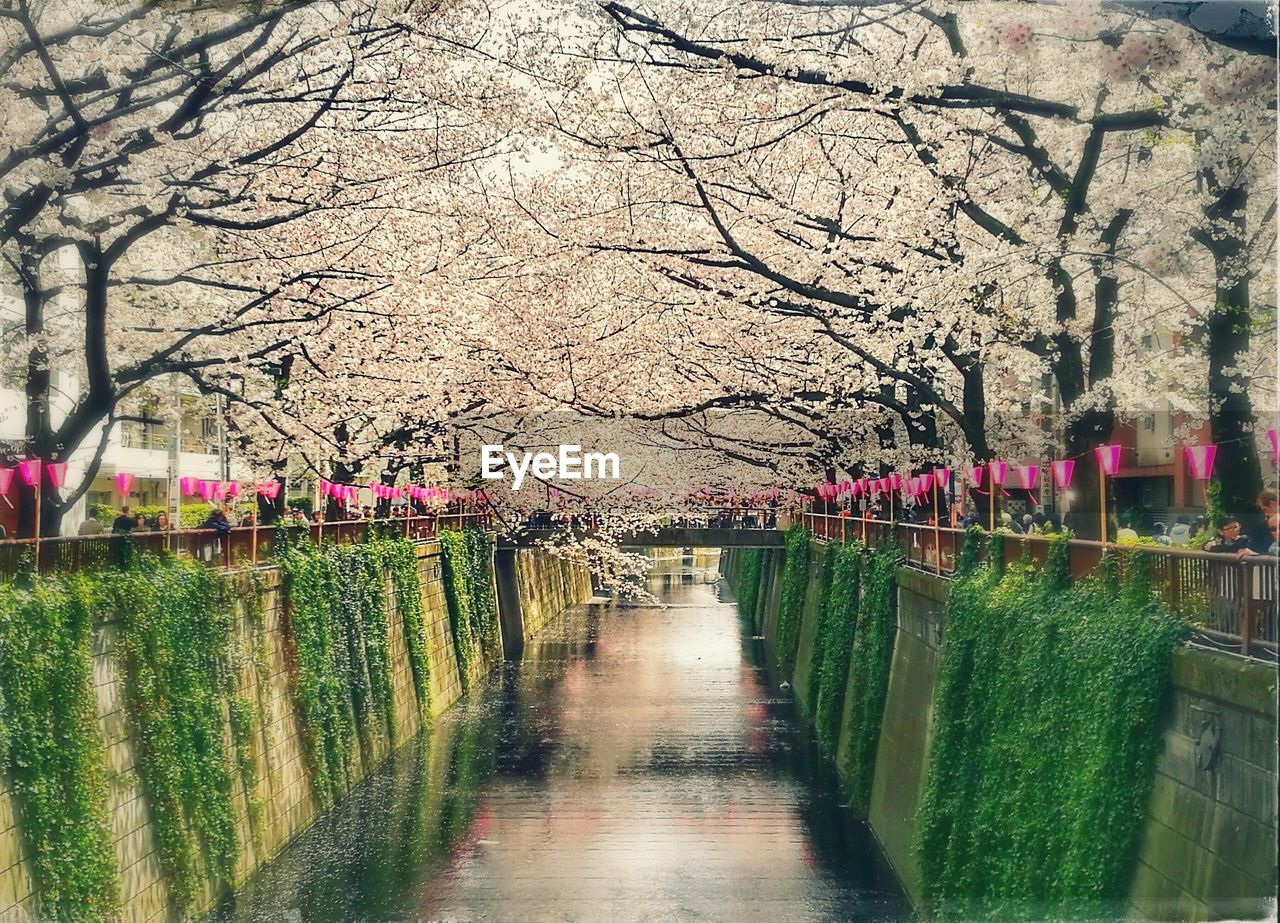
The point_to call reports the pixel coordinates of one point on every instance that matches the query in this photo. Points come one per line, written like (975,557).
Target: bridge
(663,537)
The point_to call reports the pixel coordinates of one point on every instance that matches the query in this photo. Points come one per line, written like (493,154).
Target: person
(1259,531)
(122,524)
(1160,535)
(1028,523)
(1038,522)
(246,520)
(1273,526)
(1180,534)
(1126,532)
(91,526)
(162,522)
(318,517)
(218,523)
(140,523)
(1229,540)
(4,533)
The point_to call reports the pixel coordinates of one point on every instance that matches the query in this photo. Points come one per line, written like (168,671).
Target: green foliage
(795,576)
(747,583)
(402,562)
(338,620)
(176,647)
(468,584)
(193,514)
(970,552)
(51,746)
(1044,738)
(819,655)
(835,641)
(869,670)
(301,503)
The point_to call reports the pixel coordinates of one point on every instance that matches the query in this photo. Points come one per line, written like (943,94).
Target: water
(637,765)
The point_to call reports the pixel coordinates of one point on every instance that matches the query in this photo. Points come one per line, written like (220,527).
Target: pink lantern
(895,480)
(190,486)
(975,475)
(1108,458)
(926,482)
(943,475)
(219,489)
(998,471)
(1063,469)
(57,473)
(1027,475)
(30,470)
(1274,438)
(207,489)
(124,483)
(1200,460)
(232,488)
(6,480)
(264,488)
(866,483)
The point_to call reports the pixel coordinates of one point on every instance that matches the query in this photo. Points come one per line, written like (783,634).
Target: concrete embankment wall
(1208,844)
(282,788)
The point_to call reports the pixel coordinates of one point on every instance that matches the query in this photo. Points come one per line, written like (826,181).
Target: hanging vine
(795,576)
(1044,739)
(175,646)
(52,748)
(468,583)
(869,671)
(402,562)
(836,640)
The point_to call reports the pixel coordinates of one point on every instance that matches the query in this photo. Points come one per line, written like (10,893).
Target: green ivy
(746,588)
(175,646)
(1044,739)
(402,562)
(795,576)
(869,671)
(52,748)
(468,584)
(835,640)
(321,690)
(821,616)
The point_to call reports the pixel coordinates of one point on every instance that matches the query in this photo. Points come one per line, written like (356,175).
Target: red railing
(1232,602)
(243,545)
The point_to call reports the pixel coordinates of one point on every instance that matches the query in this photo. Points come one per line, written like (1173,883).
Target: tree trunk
(1238,469)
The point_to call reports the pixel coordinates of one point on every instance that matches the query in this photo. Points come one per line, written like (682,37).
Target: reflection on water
(636,765)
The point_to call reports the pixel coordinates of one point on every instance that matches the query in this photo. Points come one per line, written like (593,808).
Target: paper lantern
(998,471)
(190,486)
(895,480)
(1200,460)
(124,483)
(232,488)
(1027,476)
(926,482)
(943,475)
(975,475)
(866,483)
(207,489)
(6,480)
(57,473)
(1063,469)
(1108,458)
(30,470)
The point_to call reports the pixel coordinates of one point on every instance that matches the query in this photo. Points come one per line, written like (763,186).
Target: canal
(637,764)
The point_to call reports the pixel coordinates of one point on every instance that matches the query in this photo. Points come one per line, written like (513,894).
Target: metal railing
(711,517)
(237,547)
(1231,602)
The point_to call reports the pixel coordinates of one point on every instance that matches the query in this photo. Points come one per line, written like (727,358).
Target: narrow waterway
(637,765)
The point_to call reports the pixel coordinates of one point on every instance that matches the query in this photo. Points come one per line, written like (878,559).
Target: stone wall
(283,787)
(1208,846)
(548,585)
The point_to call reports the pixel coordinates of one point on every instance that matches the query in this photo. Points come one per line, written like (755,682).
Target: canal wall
(280,802)
(1207,847)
